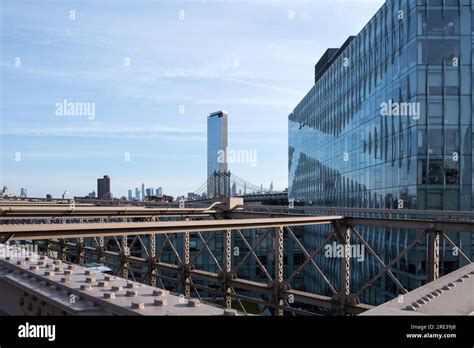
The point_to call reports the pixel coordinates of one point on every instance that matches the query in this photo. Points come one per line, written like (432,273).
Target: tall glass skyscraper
(218,180)
(388,125)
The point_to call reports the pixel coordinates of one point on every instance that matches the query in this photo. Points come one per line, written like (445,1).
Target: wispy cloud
(107,130)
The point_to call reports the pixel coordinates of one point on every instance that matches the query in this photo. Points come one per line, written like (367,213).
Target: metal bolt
(68,272)
(57,262)
(103,284)
(21,263)
(58,269)
(90,280)
(109,295)
(109,278)
(85,287)
(131,293)
(160,292)
(117,288)
(160,302)
(132,286)
(65,279)
(194,303)
(49,273)
(89,272)
(230,312)
(138,305)
(33,268)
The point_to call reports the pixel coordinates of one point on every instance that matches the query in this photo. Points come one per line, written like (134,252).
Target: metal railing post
(152,269)
(346,262)
(100,250)
(279,264)
(432,254)
(125,254)
(343,297)
(185,266)
(80,251)
(227,267)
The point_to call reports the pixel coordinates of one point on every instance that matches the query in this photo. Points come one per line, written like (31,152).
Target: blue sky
(254,59)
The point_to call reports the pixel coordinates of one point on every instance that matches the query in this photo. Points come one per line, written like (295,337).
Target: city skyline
(138,111)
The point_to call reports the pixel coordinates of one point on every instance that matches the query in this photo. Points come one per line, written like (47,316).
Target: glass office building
(388,125)
(218,180)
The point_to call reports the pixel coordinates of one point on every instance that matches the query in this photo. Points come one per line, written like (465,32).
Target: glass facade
(388,124)
(216,145)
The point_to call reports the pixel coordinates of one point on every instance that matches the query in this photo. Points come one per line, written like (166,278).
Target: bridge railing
(142,250)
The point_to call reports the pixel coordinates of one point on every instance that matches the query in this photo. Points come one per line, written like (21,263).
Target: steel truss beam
(235,283)
(32,232)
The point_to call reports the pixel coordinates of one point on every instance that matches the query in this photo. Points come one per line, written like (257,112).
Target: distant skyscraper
(159,192)
(143,192)
(218,182)
(65,194)
(149,192)
(271,186)
(103,187)
(234,189)
(130,196)
(137,194)
(23,193)
(5,192)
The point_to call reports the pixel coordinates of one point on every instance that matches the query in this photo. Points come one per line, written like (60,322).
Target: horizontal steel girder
(28,211)
(435,225)
(47,231)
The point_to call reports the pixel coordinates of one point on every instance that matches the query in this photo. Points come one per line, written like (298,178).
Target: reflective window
(435,22)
